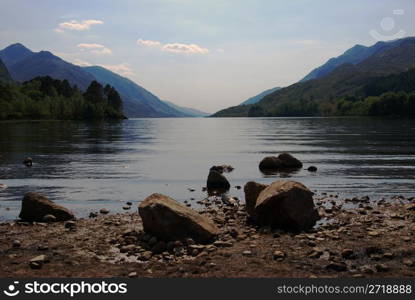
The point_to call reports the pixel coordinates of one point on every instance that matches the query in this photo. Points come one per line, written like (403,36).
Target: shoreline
(368,239)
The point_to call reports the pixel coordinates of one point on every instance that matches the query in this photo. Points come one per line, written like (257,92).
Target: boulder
(169,220)
(36,206)
(252,190)
(216,181)
(284,161)
(286,205)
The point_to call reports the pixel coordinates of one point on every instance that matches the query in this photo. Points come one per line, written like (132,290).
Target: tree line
(48,98)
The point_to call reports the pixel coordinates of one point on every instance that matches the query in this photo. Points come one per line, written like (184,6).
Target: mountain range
(24,64)
(258,97)
(346,76)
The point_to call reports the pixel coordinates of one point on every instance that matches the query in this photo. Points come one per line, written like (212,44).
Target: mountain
(258,97)
(43,63)
(138,102)
(187,110)
(346,81)
(4,73)
(14,53)
(354,56)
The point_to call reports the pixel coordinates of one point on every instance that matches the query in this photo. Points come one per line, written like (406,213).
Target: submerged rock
(169,220)
(28,161)
(216,180)
(312,169)
(287,205)
(36,206)
(284,161)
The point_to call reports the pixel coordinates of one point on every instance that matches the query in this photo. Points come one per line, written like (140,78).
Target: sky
(205,54)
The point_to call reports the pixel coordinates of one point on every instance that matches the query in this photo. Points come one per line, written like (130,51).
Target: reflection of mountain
(347,82)
(23,65)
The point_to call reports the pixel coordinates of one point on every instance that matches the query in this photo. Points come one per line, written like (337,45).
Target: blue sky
(204,54)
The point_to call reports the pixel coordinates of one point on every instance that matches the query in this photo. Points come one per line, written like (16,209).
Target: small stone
(126,207)
(42,247)
(93,215)
(129,203)
(37,262)
(347,253)
(146,255)
(132,274)
(104,211)
(16,244)
(278,255)
(223,244)
(373,233)
(70,224)
(339,267)
(49,218)
(382,268)
(312,169)
(247,253)
(28,161)
(408,262)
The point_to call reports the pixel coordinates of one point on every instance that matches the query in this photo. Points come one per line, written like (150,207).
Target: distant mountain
(259,97)
(138,102)
(42,63)
(14,53)
(187,110)
(4,73)
(346,81)
(353,56)
(24,65)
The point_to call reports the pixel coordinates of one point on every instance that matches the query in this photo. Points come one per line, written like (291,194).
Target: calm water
(87,166)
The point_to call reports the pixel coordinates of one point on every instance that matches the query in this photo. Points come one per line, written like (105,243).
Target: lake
(88,166)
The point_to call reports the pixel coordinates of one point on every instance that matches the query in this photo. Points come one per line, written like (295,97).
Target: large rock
(168,220)
(252,190)
(287,205)
(216,181)
(36,206)
(284,161)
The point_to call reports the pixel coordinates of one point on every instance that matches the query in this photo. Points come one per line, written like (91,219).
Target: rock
(93,215)
(132,274)
(286,205)
(28,162)
(247,253)
(335,266)
(312,169)
(35,206)
(168,220)
(49,218)
(410,207)
(278,255)
(216,181)
(222,168)
(104,211)
(16,244)
(3,186)
(408,262)
(284,161)
(129,203)
(126,207)
(70,224)
(252,190)
(37,262)
(382,268)
(222,244)
(347,253)
(159,247)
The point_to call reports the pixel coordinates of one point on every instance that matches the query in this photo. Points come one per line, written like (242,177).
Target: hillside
(314,97)
(187,110)
(138,102)
(4,73)
(259,97)
(353,56)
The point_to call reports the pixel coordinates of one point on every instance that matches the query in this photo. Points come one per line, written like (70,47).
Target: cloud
(82,63)
(148,43)
(122,69)
(95,48)
(174,47)
(185,48)
(78,26)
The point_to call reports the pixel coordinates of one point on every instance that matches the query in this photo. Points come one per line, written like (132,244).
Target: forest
(54,99)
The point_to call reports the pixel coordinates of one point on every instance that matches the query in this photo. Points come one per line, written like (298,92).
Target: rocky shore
(357,237)
(280,230)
